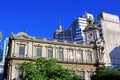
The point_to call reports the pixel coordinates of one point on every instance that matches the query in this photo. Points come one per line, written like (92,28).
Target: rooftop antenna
(59,25)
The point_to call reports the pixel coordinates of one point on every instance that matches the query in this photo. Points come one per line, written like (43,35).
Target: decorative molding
(74,42)
(70,48)
(27,56)
(60,47)
(44,39)
(82,69)
(38,45)
(15,55)
(21,43)
(22,35)
(49,46)
(55,40)
(88,50)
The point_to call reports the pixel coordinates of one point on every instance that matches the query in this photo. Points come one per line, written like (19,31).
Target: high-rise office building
(75,30)
(3,52)
(1,64)
(110,32)
(78,26)
(62,34)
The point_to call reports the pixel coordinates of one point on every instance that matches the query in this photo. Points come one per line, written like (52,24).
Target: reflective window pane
(21,50)
(60,55)
(82,74)
(79,57)
(89,57)
(50,53)
(38,52)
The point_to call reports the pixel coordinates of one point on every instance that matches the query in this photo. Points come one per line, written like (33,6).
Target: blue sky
(40,18)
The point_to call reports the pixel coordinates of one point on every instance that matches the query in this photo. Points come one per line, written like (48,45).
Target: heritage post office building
(81,58)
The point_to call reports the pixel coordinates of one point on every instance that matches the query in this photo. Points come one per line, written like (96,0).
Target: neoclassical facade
(81,58)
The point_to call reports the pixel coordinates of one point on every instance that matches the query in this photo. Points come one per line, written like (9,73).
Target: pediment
(22,35)
(91,27)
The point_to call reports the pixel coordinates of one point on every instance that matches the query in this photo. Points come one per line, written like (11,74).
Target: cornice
(23,37)
(55,42)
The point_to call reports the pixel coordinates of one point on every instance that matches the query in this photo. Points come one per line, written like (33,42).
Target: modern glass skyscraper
(62,34)
(4,53)
(78,26)
(1,54)
(75,30)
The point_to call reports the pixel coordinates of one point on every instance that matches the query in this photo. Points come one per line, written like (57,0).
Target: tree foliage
(44,69)
(103,73)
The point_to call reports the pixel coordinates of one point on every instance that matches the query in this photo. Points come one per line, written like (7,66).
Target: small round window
(90,34)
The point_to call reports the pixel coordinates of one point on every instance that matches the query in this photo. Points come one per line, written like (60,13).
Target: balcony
(64,60)
(75,61)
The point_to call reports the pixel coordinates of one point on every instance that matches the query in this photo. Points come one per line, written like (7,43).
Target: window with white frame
(89,57)
(82,74)
(79,56)
(18,74)
(21,50)
(60,54)
(38,52)
(50,53)
(70,55)
(90,73)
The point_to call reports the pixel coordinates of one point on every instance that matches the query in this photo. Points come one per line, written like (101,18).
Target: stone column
(65,54)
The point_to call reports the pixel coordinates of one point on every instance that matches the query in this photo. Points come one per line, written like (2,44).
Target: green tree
(103,73)
(43,69)
(28,71)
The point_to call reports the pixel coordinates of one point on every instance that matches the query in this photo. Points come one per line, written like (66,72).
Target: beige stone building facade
(81,58)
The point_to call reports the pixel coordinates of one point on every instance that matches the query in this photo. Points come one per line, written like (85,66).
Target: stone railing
(27,57)
(61,41)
